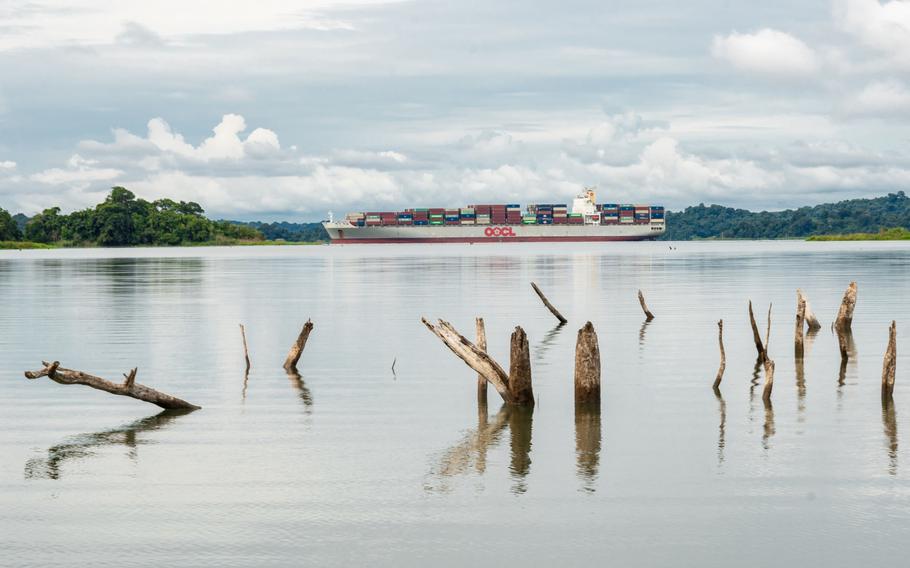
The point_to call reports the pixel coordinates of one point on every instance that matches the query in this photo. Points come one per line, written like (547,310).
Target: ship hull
(343,233)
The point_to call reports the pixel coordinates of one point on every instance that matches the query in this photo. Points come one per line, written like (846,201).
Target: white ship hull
(343,233)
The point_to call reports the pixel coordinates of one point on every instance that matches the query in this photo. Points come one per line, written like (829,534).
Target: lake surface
(354,463)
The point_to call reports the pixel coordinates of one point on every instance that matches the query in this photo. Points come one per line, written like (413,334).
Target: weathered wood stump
(514,387)
(547,303)
(246,351)
(799,336)
(129,387)
(811,320)
(844,321)
(587,366)
(723,355)
(290,363)
(769,381)
(889,366)
(756,336)
(482,345)
(644,307)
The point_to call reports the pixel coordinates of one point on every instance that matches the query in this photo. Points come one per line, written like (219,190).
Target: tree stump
(520,369)
(644,307)
(756,336)
(246,351)
(587,366)
(799,336)
(844,321)
(723,355)
(290,363)
(481,345)
(889,366)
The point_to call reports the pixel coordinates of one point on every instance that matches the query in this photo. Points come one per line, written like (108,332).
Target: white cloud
(882,99)
(884,27)
(7,165)
(79,173)
(767,51)
(226,143)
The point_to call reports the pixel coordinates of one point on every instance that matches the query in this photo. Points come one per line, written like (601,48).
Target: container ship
(586,221)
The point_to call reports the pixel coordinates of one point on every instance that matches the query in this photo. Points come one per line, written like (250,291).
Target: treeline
(124,220)
(851,216)
(284,231)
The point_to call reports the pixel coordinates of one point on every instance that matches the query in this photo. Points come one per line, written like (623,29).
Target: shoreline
(28,245)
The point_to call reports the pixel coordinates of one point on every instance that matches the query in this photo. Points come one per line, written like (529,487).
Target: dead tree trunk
(481,345)
(515,387)
(290,364)
(520,369)
(723,355)
(844,320)
(889,367)
(129,387)
(587,366)
(843,344)
(246,351)
(756,336)
(769,381)
(811,320)
(799,337)
(644,307)
(547,303)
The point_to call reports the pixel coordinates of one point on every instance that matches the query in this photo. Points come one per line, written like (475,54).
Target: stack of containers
(576,218)
(389,218)
(609,213)
(498,214)
(436,216)
(406,218)
(657,212)
(545,214)
(626,213)
(482,213)
(513,213)
(560,214)
(358,219)
(373,219)
(468,216)
(421,216)
(642,214)
(451,217)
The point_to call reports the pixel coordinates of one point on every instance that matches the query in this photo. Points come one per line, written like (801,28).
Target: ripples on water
(353,461)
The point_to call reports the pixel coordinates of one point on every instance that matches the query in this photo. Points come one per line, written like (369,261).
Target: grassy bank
(16,245)
(24,245)
(893,234)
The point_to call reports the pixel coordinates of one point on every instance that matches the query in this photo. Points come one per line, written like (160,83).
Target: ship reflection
(86,445)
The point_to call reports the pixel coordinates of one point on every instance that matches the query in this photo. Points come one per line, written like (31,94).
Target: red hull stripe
(347,241)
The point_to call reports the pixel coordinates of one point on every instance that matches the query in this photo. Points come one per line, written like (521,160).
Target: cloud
(884,27)
(767,51)
(79,173)
(7,165)
(880,99)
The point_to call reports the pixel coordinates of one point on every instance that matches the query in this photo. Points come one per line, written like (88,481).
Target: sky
(287,110)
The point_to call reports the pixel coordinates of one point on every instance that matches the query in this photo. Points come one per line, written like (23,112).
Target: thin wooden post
(481,345)
(644,307)
(290,363)
(723,355)
(889,366)
(246,352)
(520,369)
(547,303)
(799,336)
(587,366)
(844,320)
(756,336)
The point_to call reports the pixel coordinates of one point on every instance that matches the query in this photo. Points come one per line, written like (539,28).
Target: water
(353,463)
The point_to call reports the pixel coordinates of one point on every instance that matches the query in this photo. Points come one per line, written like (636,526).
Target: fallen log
(844,319)
(246,351)
(723,355)
(290,363)
(756,337)
(587,366)
(547,303)
(799,336)
(129,387)
(644,307)
(482,345)
(889,366)
(509,386)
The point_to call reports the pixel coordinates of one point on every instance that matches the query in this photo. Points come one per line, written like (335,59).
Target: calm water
(354,464)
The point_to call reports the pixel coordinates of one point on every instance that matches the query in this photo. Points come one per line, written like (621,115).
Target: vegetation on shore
(844,217)
(892,234)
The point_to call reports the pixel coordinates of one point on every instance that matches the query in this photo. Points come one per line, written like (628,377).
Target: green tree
(9,230)
(45,227)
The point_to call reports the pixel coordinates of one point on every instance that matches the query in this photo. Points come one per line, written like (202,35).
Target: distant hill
(21,220)
(851,216)
(295,232)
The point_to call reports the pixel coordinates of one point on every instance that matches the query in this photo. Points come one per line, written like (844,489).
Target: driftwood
(290,364)
(246,351)
(844,319)
(799,336)
(587,366)
(129,387)
(644,307)
(723,355)
(756,336)
(889,366)
(482,345)
(547,303)
(515,387)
